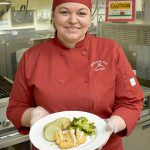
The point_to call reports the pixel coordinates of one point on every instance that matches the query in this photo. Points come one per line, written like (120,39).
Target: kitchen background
(41,13)
(24,23)
(38,15)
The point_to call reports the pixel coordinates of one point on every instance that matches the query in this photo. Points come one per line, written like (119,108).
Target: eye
(82,13)
(64,12)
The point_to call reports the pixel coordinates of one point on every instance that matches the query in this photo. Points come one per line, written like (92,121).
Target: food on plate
(70,138)
(57,125)
(64,121)
(66,133)
(50,131)
(84,125)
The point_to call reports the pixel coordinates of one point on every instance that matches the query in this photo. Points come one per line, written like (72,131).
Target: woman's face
(71,21)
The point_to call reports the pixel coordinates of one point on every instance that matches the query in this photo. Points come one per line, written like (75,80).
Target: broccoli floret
(84,125)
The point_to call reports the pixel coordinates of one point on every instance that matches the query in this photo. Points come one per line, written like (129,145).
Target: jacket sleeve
(21,98)
(128,96)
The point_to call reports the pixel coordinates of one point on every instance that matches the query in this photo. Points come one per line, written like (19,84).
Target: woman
(76,71)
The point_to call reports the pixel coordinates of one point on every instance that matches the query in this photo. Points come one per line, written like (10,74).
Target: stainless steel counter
(12,138)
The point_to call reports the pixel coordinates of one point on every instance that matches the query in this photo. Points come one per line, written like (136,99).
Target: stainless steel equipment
(12,41)
(16,55)
(2,59)
(22,17)
(9,136)
(4,7)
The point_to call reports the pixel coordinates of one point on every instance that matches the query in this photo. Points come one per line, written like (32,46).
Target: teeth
(72,29)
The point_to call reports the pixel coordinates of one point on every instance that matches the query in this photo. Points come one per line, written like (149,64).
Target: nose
(73,19)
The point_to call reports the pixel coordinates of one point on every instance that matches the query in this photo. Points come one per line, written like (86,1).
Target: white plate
(92,143)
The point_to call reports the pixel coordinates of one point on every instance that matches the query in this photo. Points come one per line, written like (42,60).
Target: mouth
(72,29)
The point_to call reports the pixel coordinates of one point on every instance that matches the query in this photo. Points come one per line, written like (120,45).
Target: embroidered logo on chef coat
(99,65)
(132,82)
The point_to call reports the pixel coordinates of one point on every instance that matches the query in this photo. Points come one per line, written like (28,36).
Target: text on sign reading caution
(120,5)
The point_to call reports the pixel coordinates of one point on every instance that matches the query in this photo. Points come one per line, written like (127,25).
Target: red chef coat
(95,76)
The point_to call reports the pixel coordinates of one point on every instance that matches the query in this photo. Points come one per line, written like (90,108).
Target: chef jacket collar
(80,44)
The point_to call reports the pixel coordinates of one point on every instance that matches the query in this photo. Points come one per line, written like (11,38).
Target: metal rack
(5,87)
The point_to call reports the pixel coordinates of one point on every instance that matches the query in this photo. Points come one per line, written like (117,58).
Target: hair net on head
(87,3)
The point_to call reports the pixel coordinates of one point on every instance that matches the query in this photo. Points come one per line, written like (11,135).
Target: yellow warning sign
(120,5)
(120,10)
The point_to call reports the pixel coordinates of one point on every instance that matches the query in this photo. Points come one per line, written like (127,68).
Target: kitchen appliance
(15,56)
(11,41)
(143,64)
(146,102)
(2,59)
(12,47)
(4,7)
(9,136)
(22,17)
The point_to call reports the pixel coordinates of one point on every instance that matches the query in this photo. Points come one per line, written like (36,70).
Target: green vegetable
(84,125)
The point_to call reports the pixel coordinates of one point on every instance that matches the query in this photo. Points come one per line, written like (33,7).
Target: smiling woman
(76,71)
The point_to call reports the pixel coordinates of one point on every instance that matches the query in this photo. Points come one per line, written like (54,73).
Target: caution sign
(119,6)
(120,10)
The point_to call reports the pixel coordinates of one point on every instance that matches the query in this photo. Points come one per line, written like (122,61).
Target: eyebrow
(68,8)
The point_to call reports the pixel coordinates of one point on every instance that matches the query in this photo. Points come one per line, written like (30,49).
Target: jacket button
(84,52)
(86,82)
(61,81)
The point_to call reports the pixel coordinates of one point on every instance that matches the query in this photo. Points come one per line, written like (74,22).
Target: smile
(72,28)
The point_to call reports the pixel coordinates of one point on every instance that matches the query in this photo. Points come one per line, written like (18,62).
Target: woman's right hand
(38,113)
